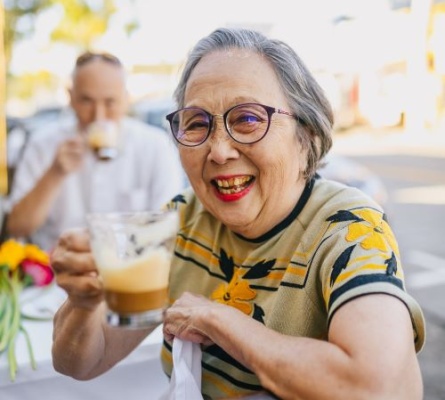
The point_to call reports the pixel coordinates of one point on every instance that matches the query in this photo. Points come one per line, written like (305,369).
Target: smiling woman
(271,262)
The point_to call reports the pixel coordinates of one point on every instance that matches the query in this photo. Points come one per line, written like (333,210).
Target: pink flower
(40,274)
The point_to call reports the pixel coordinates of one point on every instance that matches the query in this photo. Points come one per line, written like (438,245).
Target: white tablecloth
(139,376)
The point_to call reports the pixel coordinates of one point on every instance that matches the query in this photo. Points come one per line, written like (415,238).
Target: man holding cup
(99,161)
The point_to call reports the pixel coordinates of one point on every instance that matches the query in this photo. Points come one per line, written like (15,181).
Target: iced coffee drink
(138,284)
(133,254)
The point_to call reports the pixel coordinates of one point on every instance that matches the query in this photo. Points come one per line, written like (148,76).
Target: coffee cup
(133,252)
(103,139)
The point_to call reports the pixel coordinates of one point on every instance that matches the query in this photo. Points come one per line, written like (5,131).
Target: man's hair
(305,96)
(87,57)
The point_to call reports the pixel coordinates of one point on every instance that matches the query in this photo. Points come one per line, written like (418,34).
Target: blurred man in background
(62,175)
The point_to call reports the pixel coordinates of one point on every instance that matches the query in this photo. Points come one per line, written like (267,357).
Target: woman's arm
(370,353)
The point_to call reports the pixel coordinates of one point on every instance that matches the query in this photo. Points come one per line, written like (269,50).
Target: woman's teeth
(232,185)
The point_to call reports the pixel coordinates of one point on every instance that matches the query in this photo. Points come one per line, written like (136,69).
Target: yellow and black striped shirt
(334,246)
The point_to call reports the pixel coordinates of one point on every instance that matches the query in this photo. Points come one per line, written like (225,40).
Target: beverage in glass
(133,252)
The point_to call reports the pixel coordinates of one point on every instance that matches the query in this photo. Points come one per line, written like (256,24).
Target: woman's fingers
(75,270)
(75,240)
(72,254)
(183,319)
(82,286)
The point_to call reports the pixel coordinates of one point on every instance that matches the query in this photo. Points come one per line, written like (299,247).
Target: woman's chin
(238,222)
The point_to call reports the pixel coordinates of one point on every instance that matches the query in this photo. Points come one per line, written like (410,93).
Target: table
(139,376)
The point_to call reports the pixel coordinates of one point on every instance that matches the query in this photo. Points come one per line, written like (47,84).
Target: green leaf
(29,346)
(12,360)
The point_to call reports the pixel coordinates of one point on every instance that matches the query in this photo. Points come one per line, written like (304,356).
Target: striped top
(334,246)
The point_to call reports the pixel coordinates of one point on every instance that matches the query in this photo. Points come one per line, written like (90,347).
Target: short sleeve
(362,257)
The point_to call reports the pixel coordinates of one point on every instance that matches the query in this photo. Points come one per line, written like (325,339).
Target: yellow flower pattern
(237,293)
(372,231)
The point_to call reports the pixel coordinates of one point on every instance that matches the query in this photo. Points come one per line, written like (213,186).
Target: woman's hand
(84,345)
(188,317)
(75,270)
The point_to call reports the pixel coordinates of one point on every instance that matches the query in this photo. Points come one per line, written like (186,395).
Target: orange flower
(237,293)
(34,253)
(373,232)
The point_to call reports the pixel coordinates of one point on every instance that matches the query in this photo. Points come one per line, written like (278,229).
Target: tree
(81,21)
(79,24)
(19,16)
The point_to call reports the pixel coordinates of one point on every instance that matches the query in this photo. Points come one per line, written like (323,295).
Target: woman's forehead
(233,72)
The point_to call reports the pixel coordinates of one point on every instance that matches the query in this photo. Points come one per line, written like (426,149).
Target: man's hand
(70,155)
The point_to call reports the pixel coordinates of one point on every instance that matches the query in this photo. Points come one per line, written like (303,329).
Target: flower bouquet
(21,266)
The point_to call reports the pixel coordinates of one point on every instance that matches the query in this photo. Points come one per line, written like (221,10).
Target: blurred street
(412,167)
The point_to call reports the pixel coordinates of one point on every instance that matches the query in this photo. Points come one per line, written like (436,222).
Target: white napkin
(185,382)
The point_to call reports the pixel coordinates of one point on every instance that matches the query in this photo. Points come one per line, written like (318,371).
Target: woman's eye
(197,125)
(248,118)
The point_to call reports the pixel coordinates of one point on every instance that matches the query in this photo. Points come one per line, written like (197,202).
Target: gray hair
(305,96)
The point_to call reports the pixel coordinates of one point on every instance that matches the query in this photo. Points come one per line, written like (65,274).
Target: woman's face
(249,187)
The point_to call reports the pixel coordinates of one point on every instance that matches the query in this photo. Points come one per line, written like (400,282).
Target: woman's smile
(232,188)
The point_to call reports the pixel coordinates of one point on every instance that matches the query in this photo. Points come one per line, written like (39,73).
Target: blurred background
(367,54)
(381,63)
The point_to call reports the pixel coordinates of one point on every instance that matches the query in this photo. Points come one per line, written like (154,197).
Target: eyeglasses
(87,57)
(245,123)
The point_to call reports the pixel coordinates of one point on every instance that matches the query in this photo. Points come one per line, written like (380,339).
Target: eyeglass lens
(245,123)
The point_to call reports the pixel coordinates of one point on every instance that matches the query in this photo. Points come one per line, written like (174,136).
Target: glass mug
(103,139)
(133,252)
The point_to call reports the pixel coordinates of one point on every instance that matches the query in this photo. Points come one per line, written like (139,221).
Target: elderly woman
(292,284)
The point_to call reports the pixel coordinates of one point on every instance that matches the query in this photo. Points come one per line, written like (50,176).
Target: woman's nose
(222,146)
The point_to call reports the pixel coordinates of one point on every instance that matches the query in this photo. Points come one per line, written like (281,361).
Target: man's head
(98,88)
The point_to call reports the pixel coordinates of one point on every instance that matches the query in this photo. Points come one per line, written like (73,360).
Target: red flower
(21,265)
(40,274)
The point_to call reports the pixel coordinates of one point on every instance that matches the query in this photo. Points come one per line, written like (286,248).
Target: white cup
(103,139)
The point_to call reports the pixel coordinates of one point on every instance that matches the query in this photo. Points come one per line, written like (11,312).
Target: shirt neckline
(289,219)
